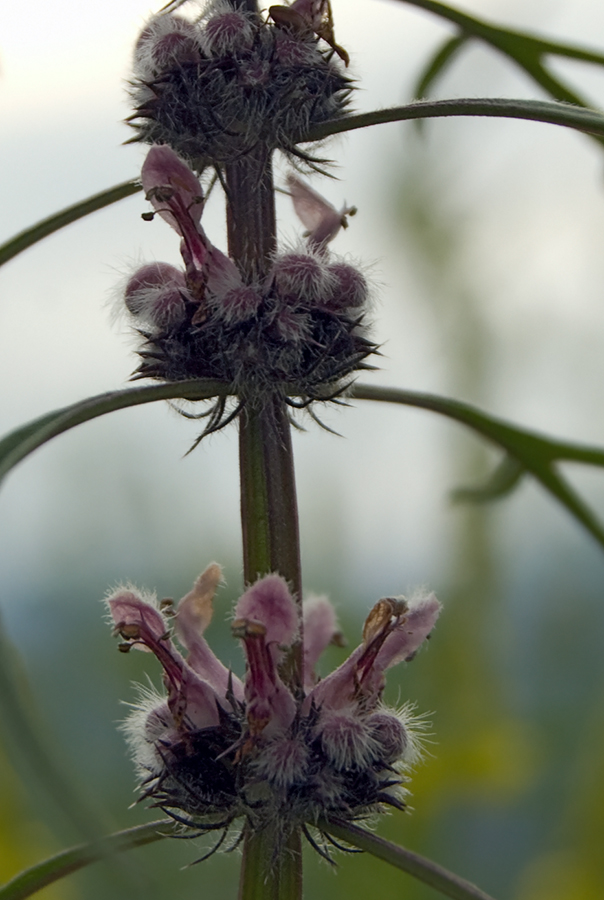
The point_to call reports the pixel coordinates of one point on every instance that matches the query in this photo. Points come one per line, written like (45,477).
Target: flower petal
(169,183)
(192,701)
(320,630)
(393,632)
(317,214)
(270,603)
(193,615)
(405,640)
(270,706)
(176,194)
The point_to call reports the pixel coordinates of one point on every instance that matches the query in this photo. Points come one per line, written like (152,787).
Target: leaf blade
(437,64)
(501,482)
(65,863)
(534,452)
(45,227)
(19,443)
(505,38)
(431,873)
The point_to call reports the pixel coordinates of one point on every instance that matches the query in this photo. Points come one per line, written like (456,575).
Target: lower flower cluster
(217,749)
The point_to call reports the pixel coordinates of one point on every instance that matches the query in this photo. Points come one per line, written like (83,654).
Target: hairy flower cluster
(217,87)
(217,748)
(299,327)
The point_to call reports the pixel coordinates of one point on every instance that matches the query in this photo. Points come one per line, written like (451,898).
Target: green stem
(269,515)
(588,121)
(264,877)
(269,512)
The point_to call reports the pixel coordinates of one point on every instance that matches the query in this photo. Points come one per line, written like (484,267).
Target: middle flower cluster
(301,326)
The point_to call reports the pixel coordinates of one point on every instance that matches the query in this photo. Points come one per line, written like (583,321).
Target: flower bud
(346,739)
(301,277)
(240,303)
(291,51)
(156,294)
(292,325)
(389,733)
(165,41)
(227,33)
(349,291)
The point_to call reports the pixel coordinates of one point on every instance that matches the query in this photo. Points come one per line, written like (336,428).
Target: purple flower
(298,330)
(322,220)
(215,748)
(215,88)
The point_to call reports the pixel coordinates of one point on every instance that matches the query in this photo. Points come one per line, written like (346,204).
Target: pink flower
(176,194)
(157,294)
(320,217)
(216,748)
(301,326)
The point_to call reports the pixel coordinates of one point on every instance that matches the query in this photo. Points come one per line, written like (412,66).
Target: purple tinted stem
(269,509)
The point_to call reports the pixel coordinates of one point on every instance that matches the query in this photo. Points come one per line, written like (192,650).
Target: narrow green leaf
(23,441)
(532,64)
(42,874)
(535,453)
(500,483)
(551,479)
(37,759)
(589,121)
(413,864)
(40,230)
(506,39)
(437,64)
(524,50)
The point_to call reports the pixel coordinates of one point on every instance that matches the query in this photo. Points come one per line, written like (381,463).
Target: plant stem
(264,877)
(269,512)
(251,222)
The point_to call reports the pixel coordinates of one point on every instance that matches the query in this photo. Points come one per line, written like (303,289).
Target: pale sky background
(534,197)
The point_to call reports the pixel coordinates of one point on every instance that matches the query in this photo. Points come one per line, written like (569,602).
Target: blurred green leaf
(533,452)
(24,440)
(589,121)
(437,64)
(27,741)
(419,867)
(40,230)
(526,50)
(39,876)
(500,483)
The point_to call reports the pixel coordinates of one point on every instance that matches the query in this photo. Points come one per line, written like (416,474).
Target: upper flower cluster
(217,748)
(299,326)
(219,86)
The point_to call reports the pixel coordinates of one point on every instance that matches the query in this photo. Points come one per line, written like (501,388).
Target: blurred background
(483,241)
